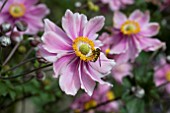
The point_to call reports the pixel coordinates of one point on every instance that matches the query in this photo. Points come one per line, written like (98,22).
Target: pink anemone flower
(101,94)
(162,74)
(133,34)
(121,69)
(75,52)
(117,4)
(24,10)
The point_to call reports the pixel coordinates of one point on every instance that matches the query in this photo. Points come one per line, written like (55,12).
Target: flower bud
(21,25)
(22,49)
(16,37)
(40,75)
(5,41)
(5,27)
(138,91)
(35,41)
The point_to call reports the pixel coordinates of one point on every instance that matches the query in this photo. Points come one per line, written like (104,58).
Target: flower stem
(23,74)
(3,5)
(11,54)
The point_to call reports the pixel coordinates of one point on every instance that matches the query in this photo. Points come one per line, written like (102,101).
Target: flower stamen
(17,10)
(130,27)
(84,48)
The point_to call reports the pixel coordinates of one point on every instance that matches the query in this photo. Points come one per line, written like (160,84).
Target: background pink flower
(133,34)
(102,94)
(24,10)
(117,4)
(162,74)
(73,52)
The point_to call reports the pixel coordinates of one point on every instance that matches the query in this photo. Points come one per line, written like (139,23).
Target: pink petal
(115,5)
(60,64)
(51,57)
(29,2)
(150,44)
(86,82)
(150,30)
(55,43)
(106,65)
(69,79)
(50,26)
(118,19)
(121,46)
(140,17)
(73,24)
(40,11)
(94,25)
(95,75)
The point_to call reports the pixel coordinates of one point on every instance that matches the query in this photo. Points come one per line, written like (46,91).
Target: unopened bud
(16,37)
(40,75)
(22,49)
(138,91)
(21,25)
(5,27)
(5,41)
(78,4)
(35,41)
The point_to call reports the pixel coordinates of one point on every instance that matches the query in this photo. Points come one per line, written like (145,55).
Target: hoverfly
(96,55)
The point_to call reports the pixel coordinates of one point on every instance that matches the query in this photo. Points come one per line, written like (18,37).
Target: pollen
(168,76)
(17,10)
(110,95)
(130,27)
(83,48)
(107,51)
(90,104)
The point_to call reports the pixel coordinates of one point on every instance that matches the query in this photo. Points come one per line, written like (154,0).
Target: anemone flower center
(17,10)
(107,51)
(110,95)
(130,27)
(90,104)
(168,76)
(84,48)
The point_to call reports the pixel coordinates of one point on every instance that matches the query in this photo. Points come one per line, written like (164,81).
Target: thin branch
(17,100)
(11,53)
(3,5)
(20,64)
(163,84)
(23,74)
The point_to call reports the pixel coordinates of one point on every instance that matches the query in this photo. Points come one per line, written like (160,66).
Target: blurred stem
(101,104)
(163,84)
(23,74)
(3,5)
(28,53)
(20,64)
(2,107)
(11,54)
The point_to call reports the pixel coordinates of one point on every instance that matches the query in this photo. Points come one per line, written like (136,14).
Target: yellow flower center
(130,27)
(90,104)
(107,51)
(84,48)
(110,95)
(168,76)
(17,10)
(77,111)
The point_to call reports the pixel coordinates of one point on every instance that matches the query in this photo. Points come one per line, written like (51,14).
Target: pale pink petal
(61,63)
(69,80)
(86,82)
(151,29)
(50,26)
(51,57)
(115,5)
(106,65)
(40,11)
(54,43)
(118,19)
(73,24)
(94,25)
(120,47)
(150,44)
(168,88)
(29,2)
